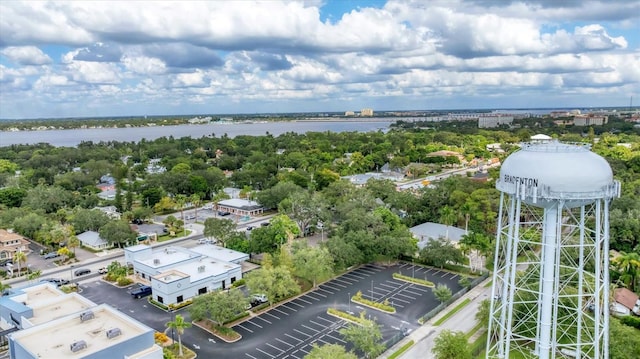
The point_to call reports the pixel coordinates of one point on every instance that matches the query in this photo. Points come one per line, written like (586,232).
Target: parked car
(57,281)
(260,298)
(205,241)
(103,270)
(141,291)
(51,255)
(82,271)
(265,224)
(249,228)
(221,213)
(137,221)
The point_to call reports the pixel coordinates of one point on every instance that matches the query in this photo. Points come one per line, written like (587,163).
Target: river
(73,137)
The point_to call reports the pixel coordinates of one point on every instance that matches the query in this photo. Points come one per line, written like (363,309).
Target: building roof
(91,239)
(46,311)
(444,153)
(240,204)
(220,253)
(540,137)
(198,270)
(54,338)
(167,256)
(625,297)
(428,231)
(6,236)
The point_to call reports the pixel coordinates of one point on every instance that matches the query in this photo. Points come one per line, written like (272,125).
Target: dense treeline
(55,183)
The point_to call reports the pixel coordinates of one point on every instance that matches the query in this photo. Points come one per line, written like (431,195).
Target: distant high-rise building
(589,120)
(494,121)
(349,113)
(366,112)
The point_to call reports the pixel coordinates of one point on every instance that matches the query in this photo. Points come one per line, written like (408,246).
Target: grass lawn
(453,311)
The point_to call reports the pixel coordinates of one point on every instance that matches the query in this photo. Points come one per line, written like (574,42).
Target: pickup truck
(141,291)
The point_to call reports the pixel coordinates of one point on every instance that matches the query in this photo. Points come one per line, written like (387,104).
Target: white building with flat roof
(177,274)
(41,321)
(241,207)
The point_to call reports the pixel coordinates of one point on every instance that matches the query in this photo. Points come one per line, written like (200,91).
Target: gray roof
(428,231)
(240,204)
(91,238)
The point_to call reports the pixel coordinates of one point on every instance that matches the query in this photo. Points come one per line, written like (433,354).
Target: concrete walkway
(464,320)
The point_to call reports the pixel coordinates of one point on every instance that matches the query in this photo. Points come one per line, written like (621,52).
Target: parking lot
(289,329)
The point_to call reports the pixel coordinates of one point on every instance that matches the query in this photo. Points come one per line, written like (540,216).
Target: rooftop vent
(88,315)
(79,345)
(156,261)
(113,332)
(200,269)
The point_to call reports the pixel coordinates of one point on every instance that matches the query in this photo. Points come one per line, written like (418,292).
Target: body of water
(73,137)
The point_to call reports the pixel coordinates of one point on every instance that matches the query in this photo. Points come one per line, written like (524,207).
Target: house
(626,301)
(92,240)
(10,243)
(110,211)
(429,231)
(41,321)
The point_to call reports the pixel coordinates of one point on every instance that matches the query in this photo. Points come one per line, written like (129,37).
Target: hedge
(419,281)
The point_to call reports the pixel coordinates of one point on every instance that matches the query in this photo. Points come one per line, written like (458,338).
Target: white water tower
(550,295)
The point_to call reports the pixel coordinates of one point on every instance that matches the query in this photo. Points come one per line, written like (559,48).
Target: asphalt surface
(288,330)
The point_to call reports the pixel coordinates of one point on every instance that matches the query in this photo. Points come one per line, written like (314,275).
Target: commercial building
(10,243)
(241,207)
(589,120)
(366,112)
(178,274)
(492,121)
(40,321)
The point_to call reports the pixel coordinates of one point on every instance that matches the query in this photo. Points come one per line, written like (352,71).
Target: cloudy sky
(117,58)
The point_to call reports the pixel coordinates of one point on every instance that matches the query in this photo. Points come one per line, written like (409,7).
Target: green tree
(29,224)
(196,201)
(117,233)
(442,292)
(220,229)
(365,337)
(12,196)
(440,252)
(624,341)
(312,263)
(483,314)
(219,306)
(179,325)
(276,282)
(329,351)
(628,265)
(451,345)
(88,220)
(448,216)
(19,258)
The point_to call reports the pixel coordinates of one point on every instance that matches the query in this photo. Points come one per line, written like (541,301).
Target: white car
(205,241)
(103,270)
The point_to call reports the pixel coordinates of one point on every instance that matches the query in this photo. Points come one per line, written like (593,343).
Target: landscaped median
(384,306)
(413,280)
(346,316)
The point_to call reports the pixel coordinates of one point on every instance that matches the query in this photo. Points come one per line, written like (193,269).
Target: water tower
(550,294)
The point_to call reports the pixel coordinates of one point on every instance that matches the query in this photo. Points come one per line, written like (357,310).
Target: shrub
(385,307)
(631,321)
(124,281)
(419,281)
(160,337)
(346,316)
(238,283)
(239,316)
(180,305)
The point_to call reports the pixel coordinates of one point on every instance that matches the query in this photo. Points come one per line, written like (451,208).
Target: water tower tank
(543,172)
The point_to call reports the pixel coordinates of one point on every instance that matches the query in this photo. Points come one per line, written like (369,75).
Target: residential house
(10,243)
(626,301)
(93,240)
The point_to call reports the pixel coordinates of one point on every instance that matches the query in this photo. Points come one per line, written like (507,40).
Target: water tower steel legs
(553,302)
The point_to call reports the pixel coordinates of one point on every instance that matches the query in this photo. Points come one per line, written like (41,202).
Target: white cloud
(94,72)
(26,55)
(144,65)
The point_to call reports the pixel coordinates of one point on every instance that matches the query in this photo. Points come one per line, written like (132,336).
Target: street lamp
(71,272)
(349,302)
(372,297)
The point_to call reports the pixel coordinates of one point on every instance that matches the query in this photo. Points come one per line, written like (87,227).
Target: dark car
(141,291)
(264,224)
(51,255)
(82,271)
(137,221)
(57,281)
(249,228)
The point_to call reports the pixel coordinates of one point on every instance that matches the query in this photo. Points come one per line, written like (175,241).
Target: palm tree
(448,217)
(4,287)
(179,325)
(628,265)
(19,257)
(466,209)
(196,201)
(181,200)
(73,242)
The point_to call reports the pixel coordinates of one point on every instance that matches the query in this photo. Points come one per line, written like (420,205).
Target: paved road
(464,321)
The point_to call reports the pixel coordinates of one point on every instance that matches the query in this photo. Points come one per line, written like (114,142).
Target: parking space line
(251,322)
(394,298)
(404,295)
(269,314)
(334,338)
(279,311)
(276,348)
(262,351)
(250,356)
(308,295)
(294,303)
(261,318)
(332,286)
(247,329)
(376,267)
(444,274)
(308,327)
(453,275)
(326,320)
(358,277)
(283,342)
(383,290)
(301,332)
(393,287)
(320,294)
(302,300)
(324,290)
(342,281)
(318,324)
(285,305)
(292,337)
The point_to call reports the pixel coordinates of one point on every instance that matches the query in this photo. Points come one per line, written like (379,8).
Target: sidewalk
(463,320)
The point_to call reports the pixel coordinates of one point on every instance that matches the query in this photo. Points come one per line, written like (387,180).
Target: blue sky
(86,58)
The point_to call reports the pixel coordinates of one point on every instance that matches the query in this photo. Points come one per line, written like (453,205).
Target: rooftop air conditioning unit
(200,269)
(113,332)
(77,346)
(88,315)
(156,261)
